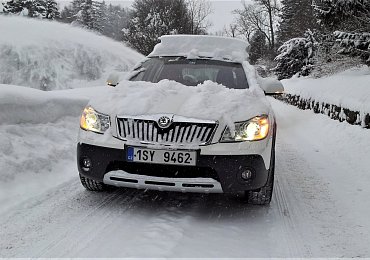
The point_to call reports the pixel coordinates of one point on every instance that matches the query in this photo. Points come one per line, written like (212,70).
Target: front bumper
(212,173)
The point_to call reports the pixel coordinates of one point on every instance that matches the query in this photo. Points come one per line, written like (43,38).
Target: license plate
(143,155)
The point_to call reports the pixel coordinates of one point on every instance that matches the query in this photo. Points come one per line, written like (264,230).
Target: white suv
(192,117)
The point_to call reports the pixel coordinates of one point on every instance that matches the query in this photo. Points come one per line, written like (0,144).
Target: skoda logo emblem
(164,122)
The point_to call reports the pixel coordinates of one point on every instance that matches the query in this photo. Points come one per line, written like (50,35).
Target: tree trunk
(272,45)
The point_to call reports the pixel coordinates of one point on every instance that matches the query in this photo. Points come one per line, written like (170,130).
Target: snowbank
(349,89)
(49,55)
(19,105)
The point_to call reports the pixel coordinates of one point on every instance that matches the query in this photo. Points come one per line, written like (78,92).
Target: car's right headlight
(254,129)
(94,121)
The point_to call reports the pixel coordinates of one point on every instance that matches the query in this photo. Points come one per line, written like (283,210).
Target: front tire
(92,185)
(263,196)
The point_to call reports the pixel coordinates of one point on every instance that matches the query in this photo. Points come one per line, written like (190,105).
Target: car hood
(207,101)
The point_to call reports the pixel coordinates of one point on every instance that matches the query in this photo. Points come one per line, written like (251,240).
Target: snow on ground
(349,89)
(319,208)
(38,135)
(49,55)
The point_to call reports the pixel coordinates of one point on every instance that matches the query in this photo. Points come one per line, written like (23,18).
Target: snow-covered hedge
(333,111)
(344,96)
(49,55)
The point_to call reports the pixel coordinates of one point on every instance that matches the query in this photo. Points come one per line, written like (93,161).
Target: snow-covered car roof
(195,46)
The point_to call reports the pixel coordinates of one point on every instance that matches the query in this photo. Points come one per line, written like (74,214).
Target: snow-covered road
(320,206)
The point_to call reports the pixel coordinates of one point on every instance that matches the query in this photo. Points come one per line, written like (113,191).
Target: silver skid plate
(197,185)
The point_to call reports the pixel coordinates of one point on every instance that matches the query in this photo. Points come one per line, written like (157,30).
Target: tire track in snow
(81,231)
(164,230)
(48,218)
(156,224)
(288,229)
(159,231)
(289,215)
(307,162)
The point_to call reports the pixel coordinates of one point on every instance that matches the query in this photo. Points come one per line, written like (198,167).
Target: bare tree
(199,10)
(231,30)
(259,17)
(250,20)
(271,8)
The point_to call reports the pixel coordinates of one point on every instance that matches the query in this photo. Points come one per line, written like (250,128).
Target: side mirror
(272,86)
(113,80)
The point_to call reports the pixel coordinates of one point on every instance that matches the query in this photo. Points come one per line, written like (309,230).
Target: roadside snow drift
(349,89)
(49,55)
(19,105)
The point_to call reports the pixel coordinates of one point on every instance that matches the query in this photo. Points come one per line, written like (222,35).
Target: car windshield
(192,72)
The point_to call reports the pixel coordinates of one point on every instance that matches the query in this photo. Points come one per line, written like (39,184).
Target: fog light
(86,164)
(247,175)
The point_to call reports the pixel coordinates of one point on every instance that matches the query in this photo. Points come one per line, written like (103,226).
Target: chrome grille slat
(179,134)
(206,132)
(155,135)
(148,131)
(191,132)
(127,129)
(165,136)
(196,132)
(200,133)
(170,136)
(151,131)
(185,136)
(133,128)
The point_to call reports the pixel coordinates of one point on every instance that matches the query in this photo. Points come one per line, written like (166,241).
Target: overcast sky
(221,16)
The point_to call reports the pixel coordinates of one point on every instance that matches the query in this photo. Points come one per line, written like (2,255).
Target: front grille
(148,131)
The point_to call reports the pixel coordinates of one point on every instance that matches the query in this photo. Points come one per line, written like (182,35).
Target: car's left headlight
(94,121)
(254,129)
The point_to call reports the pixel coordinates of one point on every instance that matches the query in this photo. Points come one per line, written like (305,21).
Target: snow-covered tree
(357,44)
(297,16)
(30,8)
(89,14)
(84,15)
(347,15)
(67,15)
(296,56)
(151,19)
(96,16)
(100,16)
(116,19)
(76,6)
(51,11)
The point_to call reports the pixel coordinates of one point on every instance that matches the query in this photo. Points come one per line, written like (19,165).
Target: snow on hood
(195,46)
(208,101)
